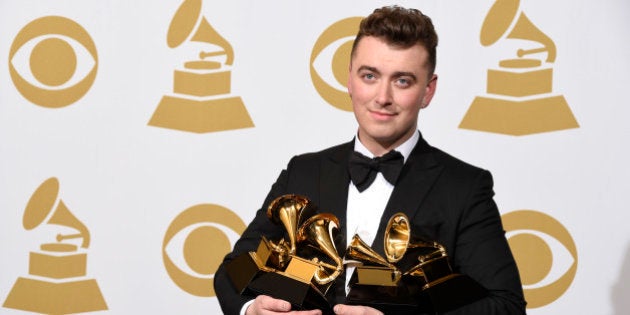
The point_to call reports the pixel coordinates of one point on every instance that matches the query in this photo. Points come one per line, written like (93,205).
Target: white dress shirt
(364,209)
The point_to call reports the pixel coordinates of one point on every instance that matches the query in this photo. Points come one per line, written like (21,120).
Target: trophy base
(301,295)
(55,298)
(408,297)
(201,115)
(242,270)
(249,277)
(401,299)
(518,118)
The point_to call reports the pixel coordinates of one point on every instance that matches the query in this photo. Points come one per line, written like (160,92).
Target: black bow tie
(363,170)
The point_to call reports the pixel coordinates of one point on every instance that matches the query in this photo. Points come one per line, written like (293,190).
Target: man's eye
(403,82)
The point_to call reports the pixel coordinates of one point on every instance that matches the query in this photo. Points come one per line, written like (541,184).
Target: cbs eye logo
(53,61)
(195,243)
(330,59)
(545,254)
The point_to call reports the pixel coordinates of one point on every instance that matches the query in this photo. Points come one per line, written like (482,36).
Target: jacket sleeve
(482,252)
(230,300)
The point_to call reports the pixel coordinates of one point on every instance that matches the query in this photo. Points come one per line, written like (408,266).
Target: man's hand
(341,309)
(266,305)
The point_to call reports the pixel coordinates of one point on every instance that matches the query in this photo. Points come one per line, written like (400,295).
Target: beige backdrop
(138,138)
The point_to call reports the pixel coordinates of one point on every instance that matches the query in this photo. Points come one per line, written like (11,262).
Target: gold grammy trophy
(202,100)
(520,100)
(299,268)
(414,276)
(58,270)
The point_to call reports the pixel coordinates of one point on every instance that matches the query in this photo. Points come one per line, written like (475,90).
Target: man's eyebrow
(405,74)
(397,74)
(368,68)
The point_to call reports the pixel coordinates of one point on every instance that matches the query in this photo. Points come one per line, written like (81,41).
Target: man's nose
(384,94)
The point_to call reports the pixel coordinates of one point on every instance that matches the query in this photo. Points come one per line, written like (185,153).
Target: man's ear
(348,85)
(429,91)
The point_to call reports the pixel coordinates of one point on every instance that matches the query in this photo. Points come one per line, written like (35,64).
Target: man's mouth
(382,115)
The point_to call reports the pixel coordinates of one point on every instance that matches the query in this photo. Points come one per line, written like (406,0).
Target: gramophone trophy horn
(41,205)
(397,235)
(496,25)
(398,244)
(317,231)
(290,211)
(525,29)
(206,33)
(360,251)
(184,23)
(396,241)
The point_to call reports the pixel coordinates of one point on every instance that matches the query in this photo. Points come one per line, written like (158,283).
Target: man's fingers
(266,305)
(341,309)
(271,304)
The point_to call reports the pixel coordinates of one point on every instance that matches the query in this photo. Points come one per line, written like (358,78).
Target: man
(391,80)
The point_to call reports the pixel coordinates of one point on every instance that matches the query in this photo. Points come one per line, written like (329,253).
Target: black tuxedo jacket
(445,199)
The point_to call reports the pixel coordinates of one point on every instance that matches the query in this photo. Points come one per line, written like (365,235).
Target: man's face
(388,86)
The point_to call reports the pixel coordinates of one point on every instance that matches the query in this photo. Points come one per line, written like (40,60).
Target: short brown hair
(400,27)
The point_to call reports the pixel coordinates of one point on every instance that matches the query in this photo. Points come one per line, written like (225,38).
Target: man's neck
(377,148)
(404,148)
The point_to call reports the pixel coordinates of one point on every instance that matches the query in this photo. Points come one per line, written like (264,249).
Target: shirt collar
(405,148)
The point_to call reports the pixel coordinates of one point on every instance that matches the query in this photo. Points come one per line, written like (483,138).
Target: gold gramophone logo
(545,253)
(202,100)
(57,282)
(329,62)
(520,99)
(196,242)
(53,61)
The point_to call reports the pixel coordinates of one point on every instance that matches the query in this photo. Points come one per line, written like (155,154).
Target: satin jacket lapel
(418,175)
(334,183)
